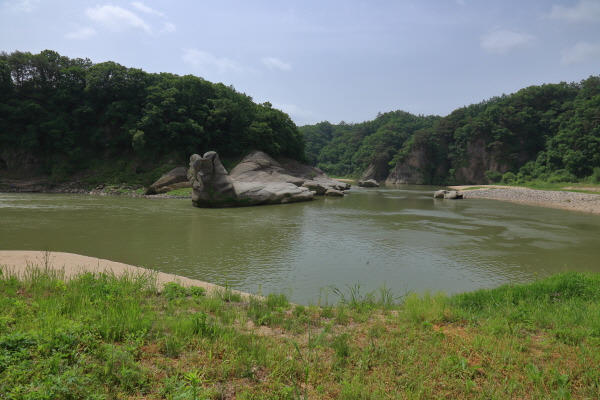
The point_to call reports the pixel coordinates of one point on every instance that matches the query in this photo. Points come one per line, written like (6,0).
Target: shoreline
(19,262)
(572,201)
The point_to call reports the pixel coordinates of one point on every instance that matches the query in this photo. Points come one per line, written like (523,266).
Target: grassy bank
(101,337)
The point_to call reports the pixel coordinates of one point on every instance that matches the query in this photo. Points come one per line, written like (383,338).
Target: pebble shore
(574,201)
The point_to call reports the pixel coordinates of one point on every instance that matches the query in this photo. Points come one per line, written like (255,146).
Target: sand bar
(18,262)
(573,201)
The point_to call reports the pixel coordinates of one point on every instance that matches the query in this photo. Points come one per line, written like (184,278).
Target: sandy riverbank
(19,261)
(574,201)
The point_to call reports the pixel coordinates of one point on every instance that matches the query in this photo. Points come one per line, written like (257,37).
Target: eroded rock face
(251,185)
(174,179)
(260,167)
(376,171)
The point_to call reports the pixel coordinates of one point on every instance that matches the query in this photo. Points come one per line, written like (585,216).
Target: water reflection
(399,236)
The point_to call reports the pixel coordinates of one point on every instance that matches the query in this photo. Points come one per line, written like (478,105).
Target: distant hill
(549,132)
(62,117)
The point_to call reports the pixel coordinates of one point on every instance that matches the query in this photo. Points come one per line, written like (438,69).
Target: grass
(183,192)
(102,337)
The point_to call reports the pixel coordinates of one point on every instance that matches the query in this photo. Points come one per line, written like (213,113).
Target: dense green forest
(60,116)
(549,132)
(65,117)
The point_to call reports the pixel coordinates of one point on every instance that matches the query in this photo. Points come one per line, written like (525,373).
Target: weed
(173,290)
(355,299)
(98,336)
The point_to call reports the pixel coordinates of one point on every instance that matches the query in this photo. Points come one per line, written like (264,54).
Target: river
(398,236)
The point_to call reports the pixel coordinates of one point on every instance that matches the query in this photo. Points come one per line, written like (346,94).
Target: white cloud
(585,11)
(204,60)
(144,8)
(81,34)
(168,28)
(503,41)
(275,63)
(21,6)
(116,18)
(581,53)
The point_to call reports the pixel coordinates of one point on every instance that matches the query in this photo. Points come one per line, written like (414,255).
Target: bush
(595,178)
(493,176)
(509,177)
(562,175)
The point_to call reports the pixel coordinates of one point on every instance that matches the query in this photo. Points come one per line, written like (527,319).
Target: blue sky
(327,60)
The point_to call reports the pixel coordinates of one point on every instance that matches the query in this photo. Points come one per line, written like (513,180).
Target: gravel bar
(574,201)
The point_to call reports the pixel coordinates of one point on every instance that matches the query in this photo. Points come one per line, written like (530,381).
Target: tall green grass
(98,336)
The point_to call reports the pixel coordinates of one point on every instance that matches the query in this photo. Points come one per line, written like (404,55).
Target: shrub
(509,178)
(493,176)
(562,175)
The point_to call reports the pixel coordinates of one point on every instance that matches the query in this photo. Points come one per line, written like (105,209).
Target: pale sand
(573,201)
(18,262)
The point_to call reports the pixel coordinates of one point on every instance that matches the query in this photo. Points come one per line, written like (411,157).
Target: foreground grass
(101,337)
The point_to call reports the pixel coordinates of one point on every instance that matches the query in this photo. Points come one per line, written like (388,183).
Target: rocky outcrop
(418,167)
(257,180)
(410,170)
(260,167)
(482,157)
(368,183)
(376,171)
(174,179)
(447,194)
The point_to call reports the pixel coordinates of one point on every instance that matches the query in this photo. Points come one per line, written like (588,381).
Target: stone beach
(574,201)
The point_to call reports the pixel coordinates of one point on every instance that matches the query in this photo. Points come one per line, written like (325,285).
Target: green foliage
(493,176)
(173,291)
(548,132)
(67,114)
(536,340)
(347,149)
(509,178)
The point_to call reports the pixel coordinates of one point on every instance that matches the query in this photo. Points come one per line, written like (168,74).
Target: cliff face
(479,158)
(483,155)
(419,168)
(422,166)
(376,171)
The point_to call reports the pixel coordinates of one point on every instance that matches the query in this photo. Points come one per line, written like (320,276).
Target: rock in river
(368,183)
(174,179)
(447,194)
(250,184)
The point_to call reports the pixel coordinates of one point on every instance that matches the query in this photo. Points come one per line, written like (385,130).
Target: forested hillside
(549,132)
(59,116)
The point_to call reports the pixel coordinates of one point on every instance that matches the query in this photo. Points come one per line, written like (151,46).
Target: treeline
(65,115)
(347,149)
(549,132)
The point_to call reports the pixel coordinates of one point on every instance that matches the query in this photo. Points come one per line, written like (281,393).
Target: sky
(327,60)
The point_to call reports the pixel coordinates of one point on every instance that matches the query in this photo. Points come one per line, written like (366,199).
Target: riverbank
(566,200)
(118,337)
(69,265)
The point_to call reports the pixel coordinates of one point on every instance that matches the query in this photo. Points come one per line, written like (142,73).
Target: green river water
(397,236)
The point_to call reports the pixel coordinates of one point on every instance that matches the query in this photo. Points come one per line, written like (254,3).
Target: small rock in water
(447,194)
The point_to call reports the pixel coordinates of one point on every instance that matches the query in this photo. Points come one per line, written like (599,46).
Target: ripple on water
(400,237)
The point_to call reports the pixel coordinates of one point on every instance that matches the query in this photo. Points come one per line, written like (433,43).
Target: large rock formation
(257,180)
(259,167)
(377,171)
(418,167)
(174,179)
